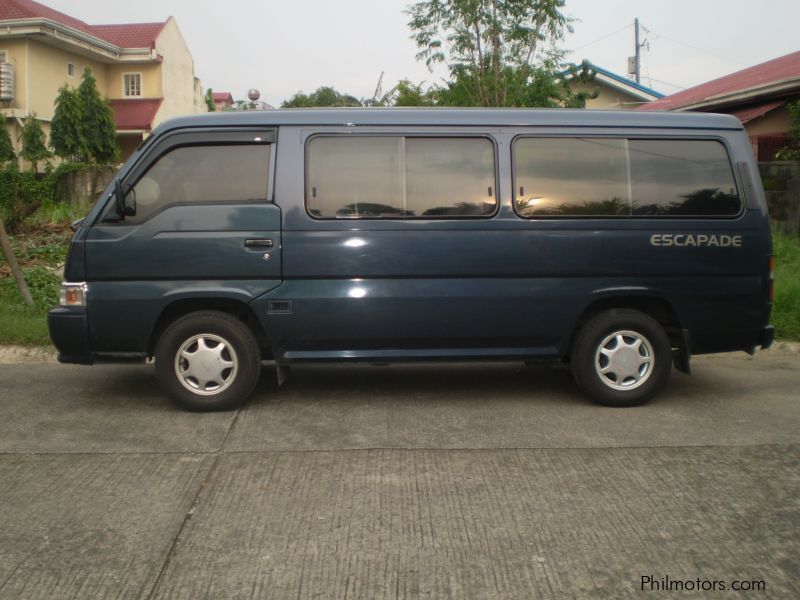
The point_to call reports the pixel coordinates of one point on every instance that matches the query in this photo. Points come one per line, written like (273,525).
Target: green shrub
(21,324)
(22,193)
(786,310)
(6,147)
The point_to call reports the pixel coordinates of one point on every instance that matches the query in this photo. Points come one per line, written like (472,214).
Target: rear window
(400,177)
(615,177)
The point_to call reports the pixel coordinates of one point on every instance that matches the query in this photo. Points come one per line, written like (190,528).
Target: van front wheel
(621,357)
(208,361)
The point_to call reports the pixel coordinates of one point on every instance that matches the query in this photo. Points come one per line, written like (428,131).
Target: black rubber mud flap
(683,354)
(283,373)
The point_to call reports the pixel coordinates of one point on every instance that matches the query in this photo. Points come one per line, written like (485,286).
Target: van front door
(202,225)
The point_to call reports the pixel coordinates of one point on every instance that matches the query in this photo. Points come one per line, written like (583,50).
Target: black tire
(638,381)
(232,341)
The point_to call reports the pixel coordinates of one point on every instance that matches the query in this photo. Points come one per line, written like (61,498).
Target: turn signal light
(73,294)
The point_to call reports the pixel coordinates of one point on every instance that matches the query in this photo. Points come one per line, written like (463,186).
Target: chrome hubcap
(624,360)
(206,364)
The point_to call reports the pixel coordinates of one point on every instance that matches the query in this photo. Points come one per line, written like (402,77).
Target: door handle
(258,244)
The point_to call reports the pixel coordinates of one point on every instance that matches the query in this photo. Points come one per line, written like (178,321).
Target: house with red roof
(222,100)
(144,69)
(757,95)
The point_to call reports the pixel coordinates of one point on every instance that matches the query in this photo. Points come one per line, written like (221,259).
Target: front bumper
(69,332)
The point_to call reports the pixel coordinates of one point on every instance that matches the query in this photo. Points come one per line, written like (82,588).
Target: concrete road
(475,481)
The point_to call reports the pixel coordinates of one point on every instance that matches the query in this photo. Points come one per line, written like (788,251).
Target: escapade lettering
(700,239)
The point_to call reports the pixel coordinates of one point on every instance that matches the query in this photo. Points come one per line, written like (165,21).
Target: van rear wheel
(621,357)
(208,361)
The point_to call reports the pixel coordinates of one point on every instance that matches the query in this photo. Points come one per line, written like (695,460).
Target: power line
(680,87)
(693,47)
(647,69)
(601,38)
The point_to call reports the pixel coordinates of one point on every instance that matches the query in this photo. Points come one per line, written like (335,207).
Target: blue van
(621,242)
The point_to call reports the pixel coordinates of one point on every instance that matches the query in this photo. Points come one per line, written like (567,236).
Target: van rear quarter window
(682,178)
(612,177)
(400,177)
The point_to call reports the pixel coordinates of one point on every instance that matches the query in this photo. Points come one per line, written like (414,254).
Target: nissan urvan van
(620,242)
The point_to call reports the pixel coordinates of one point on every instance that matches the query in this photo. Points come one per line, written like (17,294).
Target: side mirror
(126,206)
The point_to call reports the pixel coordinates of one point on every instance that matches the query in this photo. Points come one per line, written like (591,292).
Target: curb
(10,355)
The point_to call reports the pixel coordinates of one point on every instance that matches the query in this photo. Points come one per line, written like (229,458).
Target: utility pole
(638,51)
(635,61)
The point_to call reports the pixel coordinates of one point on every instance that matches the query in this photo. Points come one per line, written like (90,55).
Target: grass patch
(58,213)
(786,310)
(41,251)
(19,323)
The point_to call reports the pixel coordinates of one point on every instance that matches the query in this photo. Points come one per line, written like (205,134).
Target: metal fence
(782,187)
(766,146)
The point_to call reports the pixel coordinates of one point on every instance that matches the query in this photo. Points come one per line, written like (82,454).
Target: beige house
(145,69)
(758,96)
(611,91)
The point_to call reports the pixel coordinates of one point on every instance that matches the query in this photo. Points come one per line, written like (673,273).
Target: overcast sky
(281,47)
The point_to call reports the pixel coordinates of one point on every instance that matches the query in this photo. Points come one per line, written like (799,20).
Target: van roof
(485,117)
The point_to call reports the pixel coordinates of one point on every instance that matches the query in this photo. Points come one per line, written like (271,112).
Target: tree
(66,128)
(98,133)
(792,151)
(7,153)
(243,105)
(582,73)
(498,52)
(406,93)
(34,148)
(209,98)
(323,96)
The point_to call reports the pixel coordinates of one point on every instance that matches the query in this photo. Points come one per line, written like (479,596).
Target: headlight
(73,294)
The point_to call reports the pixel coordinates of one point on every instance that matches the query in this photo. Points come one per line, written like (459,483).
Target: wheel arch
(645,301)
(236,307)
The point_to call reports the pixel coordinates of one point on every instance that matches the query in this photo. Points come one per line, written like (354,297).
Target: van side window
(202,174)
(682,178)
(400,177)
(354,177)
(612,177)
(571,177)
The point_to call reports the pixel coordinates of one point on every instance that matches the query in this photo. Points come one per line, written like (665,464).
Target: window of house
(70,70)
(400,177)
(202,175)
(132,84)
(615,177)
(3,56)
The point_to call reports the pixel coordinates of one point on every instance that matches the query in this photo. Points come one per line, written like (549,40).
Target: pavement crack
(11,575)
(186,518)
(230,429)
